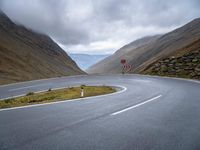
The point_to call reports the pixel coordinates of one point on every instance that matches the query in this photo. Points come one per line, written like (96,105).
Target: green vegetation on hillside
(185,63)
(55,95)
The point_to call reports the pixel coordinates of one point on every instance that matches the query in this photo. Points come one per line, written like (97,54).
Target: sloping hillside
(142,56)
(184,63)
(112,64)
(27,55)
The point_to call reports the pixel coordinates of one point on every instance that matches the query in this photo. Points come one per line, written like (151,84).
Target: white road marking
(137,105)
(39,80)
(65,101)
(26,87)
(58,88)
(165,77)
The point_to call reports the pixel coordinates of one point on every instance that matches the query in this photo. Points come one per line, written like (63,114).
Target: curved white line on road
(165,77)
(137,105)
(41,80)
(27,87)
(71,100)
(34,92)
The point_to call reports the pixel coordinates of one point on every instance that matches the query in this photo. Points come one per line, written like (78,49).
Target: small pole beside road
(82,90)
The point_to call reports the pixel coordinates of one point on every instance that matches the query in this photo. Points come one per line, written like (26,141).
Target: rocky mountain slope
(143,56)
(184,63)
(27,55)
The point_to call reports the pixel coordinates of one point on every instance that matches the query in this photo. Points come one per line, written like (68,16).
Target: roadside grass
(55,95)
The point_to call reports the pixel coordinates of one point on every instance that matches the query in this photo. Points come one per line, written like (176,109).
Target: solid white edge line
(71,100)
(184,79)
(10,84)
(137,105)
(34,92)
(165,77)
(58,88)
(27,87)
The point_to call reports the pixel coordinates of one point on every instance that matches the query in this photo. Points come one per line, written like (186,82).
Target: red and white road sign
(123,61)
(127,67)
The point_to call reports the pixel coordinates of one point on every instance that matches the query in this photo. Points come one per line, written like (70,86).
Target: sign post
(123,62)
(125,67)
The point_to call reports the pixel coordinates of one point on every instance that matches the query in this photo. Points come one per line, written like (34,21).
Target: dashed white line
(137,105)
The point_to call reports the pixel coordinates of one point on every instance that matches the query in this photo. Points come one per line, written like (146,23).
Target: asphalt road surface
(149,113)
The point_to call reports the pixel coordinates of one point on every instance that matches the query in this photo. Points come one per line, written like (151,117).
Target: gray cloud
(83,25)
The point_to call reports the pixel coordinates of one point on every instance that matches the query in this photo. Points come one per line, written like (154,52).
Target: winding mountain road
(148,113)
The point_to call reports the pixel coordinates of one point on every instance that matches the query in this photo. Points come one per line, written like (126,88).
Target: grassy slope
(184,63)
(27,55)
(55,95)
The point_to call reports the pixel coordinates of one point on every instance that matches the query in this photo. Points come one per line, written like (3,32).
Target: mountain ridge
(28,55)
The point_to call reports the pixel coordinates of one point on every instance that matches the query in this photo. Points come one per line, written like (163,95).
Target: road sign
(127,67)
(123,61)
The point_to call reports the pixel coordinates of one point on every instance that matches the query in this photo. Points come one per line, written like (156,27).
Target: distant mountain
(84,60)
(148,53)
(27,55)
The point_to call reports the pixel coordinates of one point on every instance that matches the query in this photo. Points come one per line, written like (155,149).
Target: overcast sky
(100,26)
